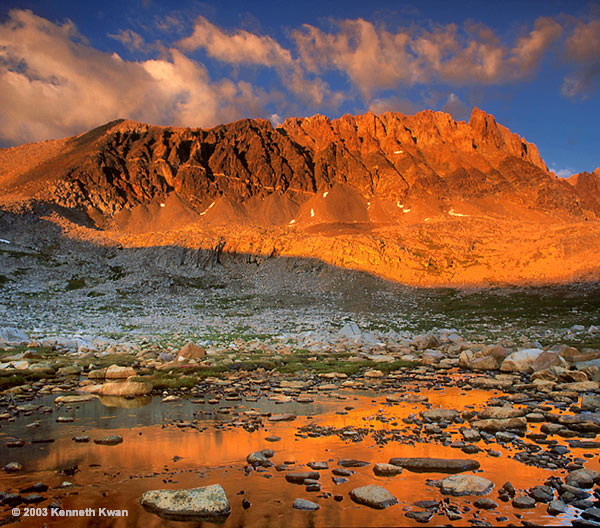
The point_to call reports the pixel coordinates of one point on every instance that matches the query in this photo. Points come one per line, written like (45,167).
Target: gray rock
(318,465)
(197,504)
(305,505)
(435,465)
(523,502)
(373,496)
(421,516)
(590,402)
(459,485)
(260,458)
(556,507)
(582,478)
(521,361)
(485,504)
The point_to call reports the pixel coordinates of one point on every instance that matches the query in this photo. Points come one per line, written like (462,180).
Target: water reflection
(159,453)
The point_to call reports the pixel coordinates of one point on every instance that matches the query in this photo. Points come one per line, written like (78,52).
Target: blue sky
(67,66)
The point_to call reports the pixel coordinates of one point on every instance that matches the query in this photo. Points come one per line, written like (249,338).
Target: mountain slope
(420,199)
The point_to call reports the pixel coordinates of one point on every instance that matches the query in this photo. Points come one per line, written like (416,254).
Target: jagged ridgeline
(381,169)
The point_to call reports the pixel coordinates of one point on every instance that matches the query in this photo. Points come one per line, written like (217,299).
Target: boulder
(521,361)
(191,351)
(127,388)
(117,372)
(373,496)
(209,503)
(459,485)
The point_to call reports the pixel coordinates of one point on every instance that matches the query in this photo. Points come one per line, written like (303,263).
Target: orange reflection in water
(116,476)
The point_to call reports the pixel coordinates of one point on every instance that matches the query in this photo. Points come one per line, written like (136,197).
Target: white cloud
(54,84)
(241,47)
(583,54)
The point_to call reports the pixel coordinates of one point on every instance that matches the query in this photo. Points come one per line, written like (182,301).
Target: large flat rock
(209,503)
(436,465)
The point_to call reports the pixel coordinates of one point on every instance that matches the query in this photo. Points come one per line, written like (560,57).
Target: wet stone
(485,504)
(351,462)
(386,470)
(556,507)
(317,466)
(523,502)
(342,472)
(300,477)
(305,505)
(459,485)
(110,440)
(435,465)
(12,467)
(420,517)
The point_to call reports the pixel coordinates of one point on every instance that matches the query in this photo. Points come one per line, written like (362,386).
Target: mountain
(428,160)
(421,199)
(587,186)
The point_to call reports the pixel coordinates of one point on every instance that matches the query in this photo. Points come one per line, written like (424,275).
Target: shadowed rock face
(426,157)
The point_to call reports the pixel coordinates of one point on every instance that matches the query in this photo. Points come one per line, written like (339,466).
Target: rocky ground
(81,323)
(542,405)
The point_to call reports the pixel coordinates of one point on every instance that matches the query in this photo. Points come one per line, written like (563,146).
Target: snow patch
(162,204)
(206,210)
(4,241)
(292,221)
(454,213)
(325,194)
(398,151)
(312,213)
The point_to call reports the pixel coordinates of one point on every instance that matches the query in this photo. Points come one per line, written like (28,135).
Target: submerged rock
(373,496)
(209,503)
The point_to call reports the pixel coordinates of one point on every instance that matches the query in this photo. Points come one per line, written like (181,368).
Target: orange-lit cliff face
(420,199)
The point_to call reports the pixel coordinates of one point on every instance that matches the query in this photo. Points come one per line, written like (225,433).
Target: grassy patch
(76,283)
(8,381)
(122,360)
